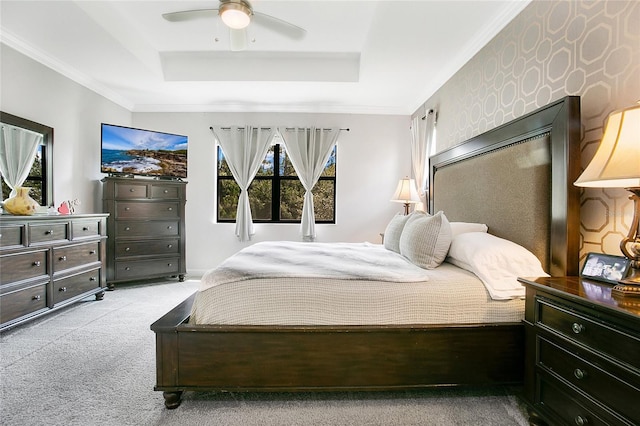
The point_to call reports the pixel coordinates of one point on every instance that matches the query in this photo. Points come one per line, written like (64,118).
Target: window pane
(260,199)
(324,200)
(291,199)
(286,168)
(330,167)
(223,167)
(228,193)
(267,167)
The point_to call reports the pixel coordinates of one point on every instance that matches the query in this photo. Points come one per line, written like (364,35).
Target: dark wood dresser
(47,262)
(582,360)
(146,228)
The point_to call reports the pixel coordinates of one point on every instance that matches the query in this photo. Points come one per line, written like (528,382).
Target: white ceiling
(370,57)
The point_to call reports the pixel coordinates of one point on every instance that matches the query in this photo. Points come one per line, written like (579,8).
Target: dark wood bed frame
(313,358)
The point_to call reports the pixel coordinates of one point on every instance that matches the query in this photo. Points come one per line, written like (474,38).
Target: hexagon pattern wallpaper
(551,50)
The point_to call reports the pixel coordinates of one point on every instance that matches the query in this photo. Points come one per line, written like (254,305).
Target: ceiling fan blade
(280,26)
(237,39)
(187,15)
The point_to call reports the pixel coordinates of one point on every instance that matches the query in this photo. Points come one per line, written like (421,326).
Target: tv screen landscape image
(130,151)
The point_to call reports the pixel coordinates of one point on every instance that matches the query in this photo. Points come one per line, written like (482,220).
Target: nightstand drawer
(587,331)
(612,391)
(569,410)
(72,256)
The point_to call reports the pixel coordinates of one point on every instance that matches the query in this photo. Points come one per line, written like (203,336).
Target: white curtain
(309,150)
(244,149)
(421,140)
(18,148)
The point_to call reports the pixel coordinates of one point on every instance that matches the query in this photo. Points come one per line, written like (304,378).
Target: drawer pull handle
(92,278)
(577,328)
(166,191)
(127,249)
(169,245)
(92,252)
(169,227)
(132,190)
(49,232)
(580,374)
(36,297)
(63,289)
(169,265)
(127,269)
(127,228)
(63,258)
(126,209)
(85,228)
(170,208)
(581,421)
(36,263)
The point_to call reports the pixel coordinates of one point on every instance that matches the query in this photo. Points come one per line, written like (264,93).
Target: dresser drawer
(23,266)
(583,329)
(47,233)
(554,398)
(69,257)
(127,229)
(12,236)
(164,191)
(130,190)
(75,285)
(85,229)
(22,302)
(614,392)
(151,210)
(150,248)
(141,269)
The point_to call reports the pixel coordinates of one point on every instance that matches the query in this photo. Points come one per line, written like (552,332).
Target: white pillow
(393,232)
(496,261)
(458,228)
(425,239)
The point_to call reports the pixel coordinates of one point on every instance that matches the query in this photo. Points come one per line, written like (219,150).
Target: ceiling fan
(237,15)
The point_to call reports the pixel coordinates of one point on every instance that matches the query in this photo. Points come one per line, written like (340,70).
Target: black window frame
(46,179)
(276,180)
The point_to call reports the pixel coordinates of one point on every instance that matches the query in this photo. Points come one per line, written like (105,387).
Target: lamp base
(629,286)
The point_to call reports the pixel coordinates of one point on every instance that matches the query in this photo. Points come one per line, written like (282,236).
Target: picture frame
(605,267)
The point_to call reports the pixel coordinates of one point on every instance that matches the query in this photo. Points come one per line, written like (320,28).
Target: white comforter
(286,259)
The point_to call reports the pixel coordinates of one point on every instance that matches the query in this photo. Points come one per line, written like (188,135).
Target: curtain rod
(428,113)
(269,128)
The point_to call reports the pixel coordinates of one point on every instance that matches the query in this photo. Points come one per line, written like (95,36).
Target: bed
(517,179)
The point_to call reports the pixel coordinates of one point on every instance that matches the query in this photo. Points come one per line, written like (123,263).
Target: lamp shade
(406,192)
(617,160)
(236,14)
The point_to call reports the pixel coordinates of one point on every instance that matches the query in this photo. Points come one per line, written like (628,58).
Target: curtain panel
(309,150)
(421,141)
(244,149)
(18,148)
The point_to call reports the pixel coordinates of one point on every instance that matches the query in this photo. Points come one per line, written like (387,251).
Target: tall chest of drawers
(146,228)
(582,359)
(48,262)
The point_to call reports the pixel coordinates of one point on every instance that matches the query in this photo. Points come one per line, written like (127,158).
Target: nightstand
(582,353)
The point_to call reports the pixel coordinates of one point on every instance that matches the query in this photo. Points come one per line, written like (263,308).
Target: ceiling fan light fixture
(235,14)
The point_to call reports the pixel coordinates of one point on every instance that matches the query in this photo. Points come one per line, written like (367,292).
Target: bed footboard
(329,358)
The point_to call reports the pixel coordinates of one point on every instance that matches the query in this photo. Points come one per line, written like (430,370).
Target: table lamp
(406,193)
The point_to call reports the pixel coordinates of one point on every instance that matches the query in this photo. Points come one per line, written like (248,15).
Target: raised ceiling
(373,57)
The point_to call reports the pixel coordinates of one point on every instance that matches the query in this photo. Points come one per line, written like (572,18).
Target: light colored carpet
(94,364)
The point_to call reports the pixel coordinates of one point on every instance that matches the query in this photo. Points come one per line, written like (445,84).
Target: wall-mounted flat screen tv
(138,152)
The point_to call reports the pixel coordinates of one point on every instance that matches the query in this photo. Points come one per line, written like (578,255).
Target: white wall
(372,157)
(30,90)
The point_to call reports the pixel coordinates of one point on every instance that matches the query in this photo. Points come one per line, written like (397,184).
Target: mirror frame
(47,141)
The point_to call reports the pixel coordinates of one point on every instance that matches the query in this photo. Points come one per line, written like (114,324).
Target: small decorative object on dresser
(146,228)
(21,204)
(582,353)
(47,262)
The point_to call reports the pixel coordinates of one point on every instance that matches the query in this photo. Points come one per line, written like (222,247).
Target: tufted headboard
(518,179)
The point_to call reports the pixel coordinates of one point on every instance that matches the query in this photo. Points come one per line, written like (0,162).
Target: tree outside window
(35,180)
(276,194)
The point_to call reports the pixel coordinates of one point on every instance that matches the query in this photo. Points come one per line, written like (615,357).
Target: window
(40,177)
(276,194)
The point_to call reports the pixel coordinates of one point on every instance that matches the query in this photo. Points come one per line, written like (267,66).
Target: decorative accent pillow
(393,232)
(425,239)
(496,261)
(458,228)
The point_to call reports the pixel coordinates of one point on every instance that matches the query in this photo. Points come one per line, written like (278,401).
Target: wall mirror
(16,130)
